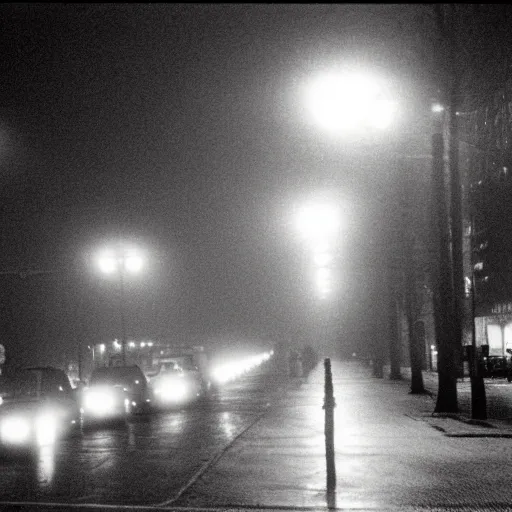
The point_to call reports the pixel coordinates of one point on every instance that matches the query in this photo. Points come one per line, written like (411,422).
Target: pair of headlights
(171,391)
(22,430)
(103,402)
(99,401)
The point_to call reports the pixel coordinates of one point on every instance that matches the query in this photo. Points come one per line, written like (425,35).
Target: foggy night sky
(178,128)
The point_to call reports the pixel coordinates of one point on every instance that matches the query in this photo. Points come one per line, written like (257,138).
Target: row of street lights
(342,103)
(318,223)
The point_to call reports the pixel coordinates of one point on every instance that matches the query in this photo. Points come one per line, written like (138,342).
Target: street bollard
(329,405)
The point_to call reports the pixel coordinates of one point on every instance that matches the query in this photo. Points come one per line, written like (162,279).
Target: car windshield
(116,376)
(19,385)
(171,366)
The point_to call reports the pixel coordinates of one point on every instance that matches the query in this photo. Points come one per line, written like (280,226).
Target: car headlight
(172,391)
(15,430)
(99,401)
(46,429)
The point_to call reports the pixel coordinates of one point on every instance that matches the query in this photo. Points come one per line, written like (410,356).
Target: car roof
(42,369)
(117,368)
(117,371)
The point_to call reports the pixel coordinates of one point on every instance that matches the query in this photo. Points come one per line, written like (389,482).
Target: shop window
(495,339)
(508,336)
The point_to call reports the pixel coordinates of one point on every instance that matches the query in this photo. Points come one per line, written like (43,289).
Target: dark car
(37,407)
(115,392)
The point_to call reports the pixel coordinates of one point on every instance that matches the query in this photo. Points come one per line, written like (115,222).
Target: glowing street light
(319,222)
(346,102)
(322,259)
(437,108)
(120,261)
(323,281)
(110,262)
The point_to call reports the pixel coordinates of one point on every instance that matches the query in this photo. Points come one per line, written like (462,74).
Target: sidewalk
(461,424)
(390,451)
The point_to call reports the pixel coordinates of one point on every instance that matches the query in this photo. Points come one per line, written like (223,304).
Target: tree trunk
(478,394)
(412,311)
(456,200)
(378,367)
(377,358)
(394,338)
(417,386)
(443,291)
(394,275)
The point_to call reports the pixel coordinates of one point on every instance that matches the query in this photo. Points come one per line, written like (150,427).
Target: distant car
(197,378)
(115,392)
(173,386)
(37,407)
(201,384)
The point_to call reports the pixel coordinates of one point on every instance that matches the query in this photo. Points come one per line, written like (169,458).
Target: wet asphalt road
(150,460)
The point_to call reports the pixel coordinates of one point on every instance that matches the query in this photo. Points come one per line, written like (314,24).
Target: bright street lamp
(347,102)
(322,259)
(120,261)
(318,222)
(351,105)
(110,262)
(323,281)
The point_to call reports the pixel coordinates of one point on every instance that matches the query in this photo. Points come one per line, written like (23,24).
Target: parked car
(115,392)
(495,367)
(37,407)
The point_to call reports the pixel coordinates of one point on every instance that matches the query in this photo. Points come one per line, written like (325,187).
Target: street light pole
(118,262)
(456,195)
(122,313)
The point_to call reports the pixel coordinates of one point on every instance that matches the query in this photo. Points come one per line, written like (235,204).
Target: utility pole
(478,398)
(122,313)
(447,268)
(456,195)
(80,362)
